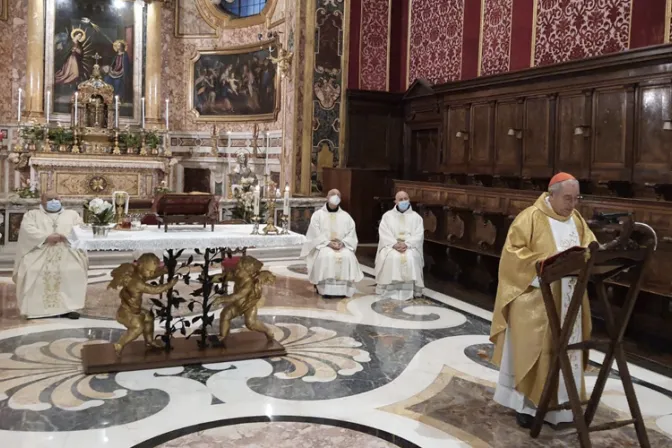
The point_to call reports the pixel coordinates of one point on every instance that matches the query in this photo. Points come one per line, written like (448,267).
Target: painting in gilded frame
(77,31)
(236,84)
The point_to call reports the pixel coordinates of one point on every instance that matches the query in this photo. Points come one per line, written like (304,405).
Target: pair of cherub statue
(248,278)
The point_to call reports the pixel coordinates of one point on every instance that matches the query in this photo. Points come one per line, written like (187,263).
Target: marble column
(34,99)
(153,64)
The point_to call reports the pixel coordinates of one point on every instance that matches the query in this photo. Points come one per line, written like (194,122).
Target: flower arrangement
(100,212)
(244,208)
(28,190)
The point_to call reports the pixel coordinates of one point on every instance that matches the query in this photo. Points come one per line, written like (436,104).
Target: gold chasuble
(520,317)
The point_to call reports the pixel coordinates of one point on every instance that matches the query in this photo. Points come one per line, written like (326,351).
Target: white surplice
(50,279)
(399,275)
(334,272)
(566,236)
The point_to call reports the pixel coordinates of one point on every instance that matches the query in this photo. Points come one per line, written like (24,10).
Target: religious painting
(85,32)
(237,84)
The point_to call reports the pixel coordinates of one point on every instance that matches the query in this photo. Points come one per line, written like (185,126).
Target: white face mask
(334,200)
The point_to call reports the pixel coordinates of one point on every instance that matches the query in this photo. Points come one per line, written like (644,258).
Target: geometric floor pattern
(360,372)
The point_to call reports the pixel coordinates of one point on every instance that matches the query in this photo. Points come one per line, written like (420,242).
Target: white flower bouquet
(101,212)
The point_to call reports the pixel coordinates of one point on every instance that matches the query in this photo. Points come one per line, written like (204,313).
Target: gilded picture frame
(137,61)
(4,9)
(219,88)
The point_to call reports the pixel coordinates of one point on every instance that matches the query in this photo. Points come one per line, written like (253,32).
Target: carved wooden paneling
(652,147)
(480,138)
(456,146)
(611,146)
(537,156)
(571,153)
(425,148)
(507,144)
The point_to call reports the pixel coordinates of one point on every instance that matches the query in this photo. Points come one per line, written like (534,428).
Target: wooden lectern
(596,264)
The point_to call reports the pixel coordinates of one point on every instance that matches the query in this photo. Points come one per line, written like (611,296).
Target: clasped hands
(400,247)
(335,245)
(56,238)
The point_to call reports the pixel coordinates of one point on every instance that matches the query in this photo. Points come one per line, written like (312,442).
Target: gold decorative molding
(4,9)
(306,133)
(668,17)
(219,19)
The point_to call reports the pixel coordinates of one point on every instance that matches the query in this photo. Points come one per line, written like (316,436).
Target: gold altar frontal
(92,175)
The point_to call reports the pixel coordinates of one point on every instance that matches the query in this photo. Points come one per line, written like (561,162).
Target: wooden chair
(597,264)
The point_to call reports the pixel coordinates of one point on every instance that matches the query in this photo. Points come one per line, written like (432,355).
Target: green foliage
(152,139)
(32,134)
(130,140)
(61,136)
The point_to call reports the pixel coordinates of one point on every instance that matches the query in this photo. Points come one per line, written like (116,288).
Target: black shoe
(524,420)
(71,315)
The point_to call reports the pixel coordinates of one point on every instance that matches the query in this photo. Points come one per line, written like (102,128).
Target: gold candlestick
(75,138)
(143,147)
(46,146)
(116,149)
(119,202)
(270,220)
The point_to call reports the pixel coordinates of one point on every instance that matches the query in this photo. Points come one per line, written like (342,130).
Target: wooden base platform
(101,358)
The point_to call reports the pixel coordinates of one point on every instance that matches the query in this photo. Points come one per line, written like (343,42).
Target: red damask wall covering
(448,40)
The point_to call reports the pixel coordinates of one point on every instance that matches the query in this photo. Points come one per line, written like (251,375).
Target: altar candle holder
(46,146)
(255,225)
(116,150)
(75,138)
(284,223)
(143,148)
(270,224)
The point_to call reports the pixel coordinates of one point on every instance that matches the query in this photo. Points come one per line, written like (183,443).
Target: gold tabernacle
(132,278)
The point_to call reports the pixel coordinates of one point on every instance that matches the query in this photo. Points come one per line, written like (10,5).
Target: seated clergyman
(330,250)
(520,326)
(399,260)
(50,276)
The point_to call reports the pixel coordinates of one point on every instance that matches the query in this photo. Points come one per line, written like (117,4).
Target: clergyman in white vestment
(330,250)
(50,276)
(399,260)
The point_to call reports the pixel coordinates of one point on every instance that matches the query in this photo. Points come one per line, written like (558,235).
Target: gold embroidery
(332,218)
(51,276)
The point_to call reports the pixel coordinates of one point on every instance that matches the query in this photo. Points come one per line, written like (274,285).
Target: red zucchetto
(560,177)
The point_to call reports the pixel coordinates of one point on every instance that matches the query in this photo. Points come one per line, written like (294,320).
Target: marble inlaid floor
(362,372)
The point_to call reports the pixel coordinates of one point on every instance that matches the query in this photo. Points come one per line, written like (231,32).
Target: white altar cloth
(153,239)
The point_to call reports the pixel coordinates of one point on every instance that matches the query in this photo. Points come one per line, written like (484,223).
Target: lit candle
(48,104)
(285,202)
(256,200)
(142,101)
(167,109)
(19,112)
(76,104)
(116,111)
(266,167)
(277,193)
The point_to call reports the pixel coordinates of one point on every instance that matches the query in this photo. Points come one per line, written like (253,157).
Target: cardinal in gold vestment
(520,328)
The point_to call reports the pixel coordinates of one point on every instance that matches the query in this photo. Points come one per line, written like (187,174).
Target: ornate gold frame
(4,15)
(217,18)
(138,58)
(273,116)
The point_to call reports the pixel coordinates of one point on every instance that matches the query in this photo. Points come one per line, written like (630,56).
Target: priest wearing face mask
(519,325)
(50,276)
(399,260)
(330,250)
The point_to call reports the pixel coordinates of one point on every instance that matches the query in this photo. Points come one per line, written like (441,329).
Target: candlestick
(142,101)
(270,219)
(116,111)
(48,103)
(266,167)
(285,202)
(76,104)
(19,111)
(256,200)
(167,114)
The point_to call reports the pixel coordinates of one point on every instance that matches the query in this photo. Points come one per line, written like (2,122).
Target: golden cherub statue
(248,281)
(283,61)
(132,277)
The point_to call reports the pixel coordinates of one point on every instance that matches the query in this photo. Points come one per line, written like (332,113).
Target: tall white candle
(167,109)
(48,104)
(19,108)
(116,111)
(256,201)
(143,112)
(285,202)
(76,105)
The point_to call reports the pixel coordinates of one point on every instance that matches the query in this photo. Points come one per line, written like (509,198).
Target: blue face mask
(53,206)
(403,205)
